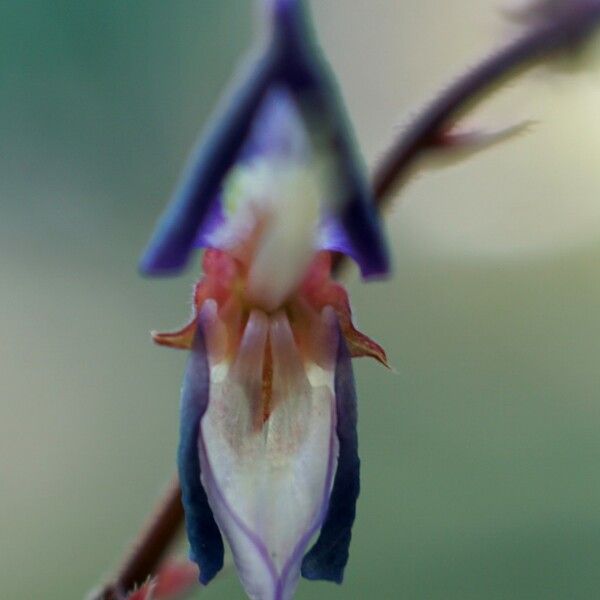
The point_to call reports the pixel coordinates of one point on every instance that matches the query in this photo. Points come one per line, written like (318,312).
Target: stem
(147,552)
(563,31)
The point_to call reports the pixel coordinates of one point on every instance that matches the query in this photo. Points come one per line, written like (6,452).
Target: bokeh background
(481,455)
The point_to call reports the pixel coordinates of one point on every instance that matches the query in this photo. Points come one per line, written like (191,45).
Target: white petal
(269,484)
(288,244)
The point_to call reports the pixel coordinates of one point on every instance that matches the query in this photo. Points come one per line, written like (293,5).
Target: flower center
(225,286)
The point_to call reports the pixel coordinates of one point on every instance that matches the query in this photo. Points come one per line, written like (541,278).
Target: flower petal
(178,228)
(213,222)
(268,481)
(292,60)
(203,534)
(277,138)
(328,557)
(332,237)
(272,202)
(313,86)
(278,131)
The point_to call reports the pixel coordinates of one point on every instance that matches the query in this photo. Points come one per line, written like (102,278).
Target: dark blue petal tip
(327,559)
(364,230)
(313,85)
(286,9)
(206,543)
(173,241)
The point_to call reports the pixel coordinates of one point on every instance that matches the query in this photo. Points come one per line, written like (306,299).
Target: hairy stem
(149,549)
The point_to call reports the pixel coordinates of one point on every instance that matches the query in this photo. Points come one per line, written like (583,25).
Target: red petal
(175,579)
(221,273)
(321,291)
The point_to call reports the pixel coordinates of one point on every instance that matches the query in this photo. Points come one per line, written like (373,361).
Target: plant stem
(149,549)
(563,32)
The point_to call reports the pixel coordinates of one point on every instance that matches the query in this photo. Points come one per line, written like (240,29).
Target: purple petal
(171,245)
(214,221)
(328,557)
(332,237)
(363,229)
(313,86)
(293,32)
(203,534)
(275,130)
(355,211)
(293,61)
(277,134)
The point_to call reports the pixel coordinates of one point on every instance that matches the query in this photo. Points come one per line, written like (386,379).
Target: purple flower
(292,65)
(268,454)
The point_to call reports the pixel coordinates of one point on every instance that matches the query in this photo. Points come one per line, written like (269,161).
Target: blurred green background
(481,456)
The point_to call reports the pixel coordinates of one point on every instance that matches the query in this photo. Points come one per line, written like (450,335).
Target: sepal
(206,544)
(327,559)
(172,243)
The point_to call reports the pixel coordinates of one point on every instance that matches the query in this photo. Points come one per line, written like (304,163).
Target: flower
(292,62)
(268,452)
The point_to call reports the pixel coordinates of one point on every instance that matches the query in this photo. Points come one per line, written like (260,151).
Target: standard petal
(314,88)
(278,131)
(268,478)
(350,202)
(177,230)
(333,237)
(203,534)
(215,219)
(328,557)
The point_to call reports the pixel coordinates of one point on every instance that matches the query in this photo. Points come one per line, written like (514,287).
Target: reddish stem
(148,551)
(564,31)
